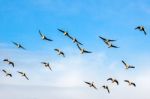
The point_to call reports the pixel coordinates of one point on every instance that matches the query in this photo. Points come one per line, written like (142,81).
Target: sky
(86,20)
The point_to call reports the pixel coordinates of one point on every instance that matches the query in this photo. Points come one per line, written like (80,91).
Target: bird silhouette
(141,28)
(18,45)
(9,62)
(127,66)
(82,50)
(75,40)
(46,65)
(64,32)
(59,52)
(23,74)
(43,37)
(130,83)
(7,74)
(91,84)
(108,42)
(106,87)
(113,80)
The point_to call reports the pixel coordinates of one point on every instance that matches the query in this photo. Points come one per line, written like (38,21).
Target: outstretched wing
(48,39)
(79,42)
(144,31)
(94,87)
(56,50)
(12,63)
(116,82)
(20,72)
(109,79)
(15,43)
(126,81)
(87,51)
(26,77)
(107,89)
(114,46)
(124,62)
(22,47)
(131,67)
(87,82)
(4,71)
(104,39)
(79,47)
(62,53)
(133,84)
(40,33)
(111,40)
(5,60)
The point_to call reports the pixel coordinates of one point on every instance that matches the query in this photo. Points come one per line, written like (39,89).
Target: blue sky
(86,20)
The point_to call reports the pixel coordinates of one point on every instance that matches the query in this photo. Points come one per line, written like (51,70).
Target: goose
(82,50)
(127,66)
(59,52)
(64,32)
(130,83)
(18,45)
(113,80)
(75,40)
(108,42)
(7,74)
(43,37)
(106,87)
(23,74)
(91,84)
(46,65)
(141,28)
(9,62)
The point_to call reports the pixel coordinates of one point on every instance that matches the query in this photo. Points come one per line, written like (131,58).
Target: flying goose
(108,42)
(9,62)
(18,45)
(64,32)
(23,74)
(75,40)
(141,28)
(82,50)
(46,65)
(106,87)
(60,52)
(7,74)
(91,84)
(113,80)
(127,66)
(130,83)
(43,37)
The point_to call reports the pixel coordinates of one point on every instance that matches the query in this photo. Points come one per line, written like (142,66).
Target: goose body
(127,66)
(9,62)
(130,83)
(46,65)
(141,28)
(82,50)
(7,74)
(59,52)
(91,84)
(23,74)
(113,80)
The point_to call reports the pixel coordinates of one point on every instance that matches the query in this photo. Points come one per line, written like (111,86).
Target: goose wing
(79,47)
(87,51)
(133,84)
(109,79)
(104,39)
(116,82)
